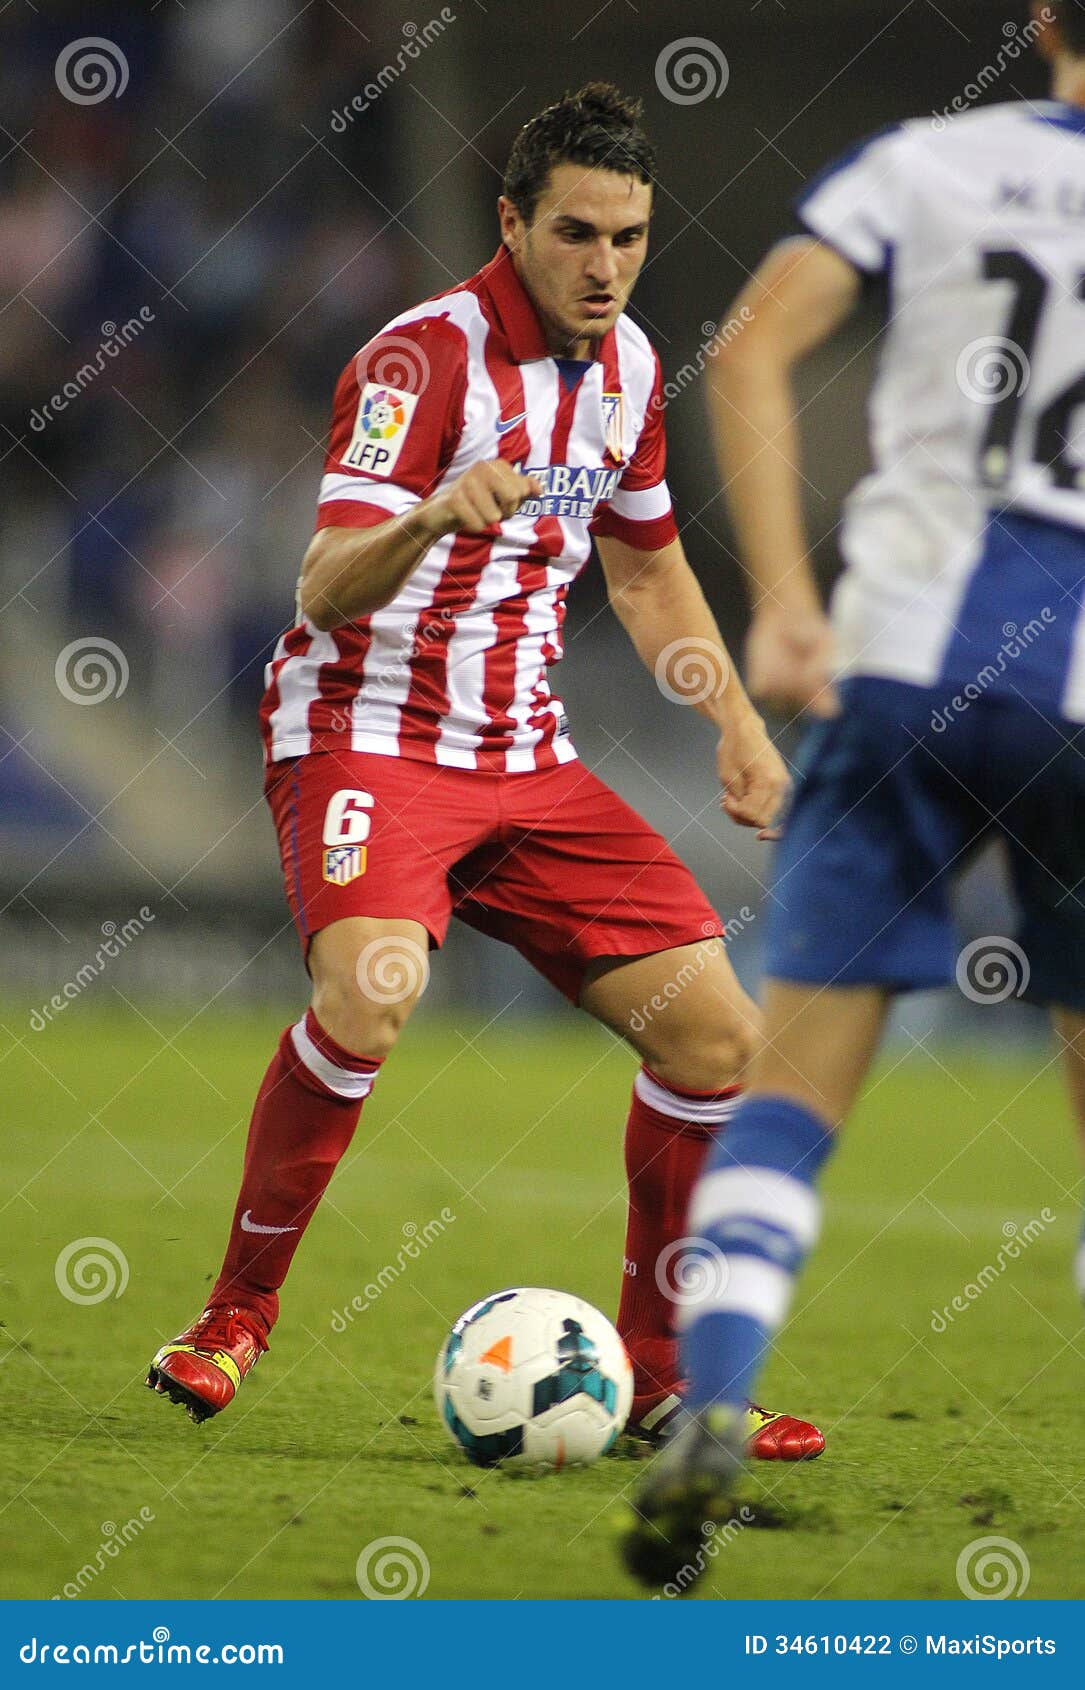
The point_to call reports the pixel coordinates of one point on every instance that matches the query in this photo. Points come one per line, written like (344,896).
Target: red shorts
(554,863)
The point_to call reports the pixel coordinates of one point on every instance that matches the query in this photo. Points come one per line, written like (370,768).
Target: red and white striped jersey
(454,669)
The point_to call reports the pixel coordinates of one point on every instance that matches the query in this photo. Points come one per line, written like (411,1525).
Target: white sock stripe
(661,1411)
(762,1194)
(752,1287)
(702,1111)
(1079,1268)
(344,1082)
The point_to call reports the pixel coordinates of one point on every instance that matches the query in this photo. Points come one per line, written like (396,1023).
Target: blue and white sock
(1079,1265)
(756,1212)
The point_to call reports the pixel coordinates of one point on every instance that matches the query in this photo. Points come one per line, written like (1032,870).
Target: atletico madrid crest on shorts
(344,863)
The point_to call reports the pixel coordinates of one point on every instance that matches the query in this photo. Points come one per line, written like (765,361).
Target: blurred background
(204,211)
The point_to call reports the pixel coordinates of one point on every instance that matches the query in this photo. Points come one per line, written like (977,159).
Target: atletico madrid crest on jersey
(612,425)
(344,863)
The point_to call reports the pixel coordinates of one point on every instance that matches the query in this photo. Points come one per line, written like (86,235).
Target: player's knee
(710,1058)
(358,1020)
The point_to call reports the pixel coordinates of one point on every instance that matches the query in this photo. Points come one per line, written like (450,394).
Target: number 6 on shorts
(347,823)
(347,820)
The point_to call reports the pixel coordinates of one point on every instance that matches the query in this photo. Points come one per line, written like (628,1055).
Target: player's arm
(659,602)
(349,572)
(383,499)
(801,294)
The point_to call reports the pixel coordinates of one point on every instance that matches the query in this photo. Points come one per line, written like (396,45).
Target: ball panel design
(533,1378)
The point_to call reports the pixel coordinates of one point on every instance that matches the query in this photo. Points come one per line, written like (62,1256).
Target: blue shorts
(893,797)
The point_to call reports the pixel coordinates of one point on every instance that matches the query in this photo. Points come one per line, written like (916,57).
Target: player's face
(582,252)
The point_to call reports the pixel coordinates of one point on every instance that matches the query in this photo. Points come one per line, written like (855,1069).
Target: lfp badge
(612,426)
(380,428)
(382,414)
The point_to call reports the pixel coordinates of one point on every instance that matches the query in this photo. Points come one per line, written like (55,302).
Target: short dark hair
(597,126)
(1070,16)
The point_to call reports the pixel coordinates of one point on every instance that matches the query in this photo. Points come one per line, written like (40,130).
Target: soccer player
(959,673)
(419,767)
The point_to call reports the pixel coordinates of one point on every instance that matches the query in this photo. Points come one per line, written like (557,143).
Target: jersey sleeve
(396,421)
(855,204)
(639,510)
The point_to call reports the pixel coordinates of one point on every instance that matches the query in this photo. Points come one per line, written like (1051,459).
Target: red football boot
(769,1436)
(780,1437)
(203,1367)
(659,1410)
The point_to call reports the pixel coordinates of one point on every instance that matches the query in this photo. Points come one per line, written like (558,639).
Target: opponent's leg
(367,975)
(1069,1027)
(756,1205)
(755,1213)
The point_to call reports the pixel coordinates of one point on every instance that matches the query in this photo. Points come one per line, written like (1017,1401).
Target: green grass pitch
(936,1439)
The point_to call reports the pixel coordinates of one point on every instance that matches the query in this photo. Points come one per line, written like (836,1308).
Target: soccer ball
(533,1379)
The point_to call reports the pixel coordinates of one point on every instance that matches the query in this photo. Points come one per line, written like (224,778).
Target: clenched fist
(789,658)
(753,775)
(484,494)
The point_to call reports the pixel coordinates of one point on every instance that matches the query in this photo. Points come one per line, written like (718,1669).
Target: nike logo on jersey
(249,1225)
(503,424)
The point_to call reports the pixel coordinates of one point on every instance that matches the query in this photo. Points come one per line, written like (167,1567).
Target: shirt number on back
(347,820)
(1031,287)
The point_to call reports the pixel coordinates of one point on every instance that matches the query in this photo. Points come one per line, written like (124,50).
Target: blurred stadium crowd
(179,312)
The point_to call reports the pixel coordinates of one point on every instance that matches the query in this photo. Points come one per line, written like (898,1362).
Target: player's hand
(753,775)
(789,656)
(483,495)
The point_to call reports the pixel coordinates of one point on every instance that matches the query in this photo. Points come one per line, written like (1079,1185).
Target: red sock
(666,1139)
(305,1115)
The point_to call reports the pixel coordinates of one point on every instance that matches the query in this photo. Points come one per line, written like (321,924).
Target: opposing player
(959,673)
(419,767)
